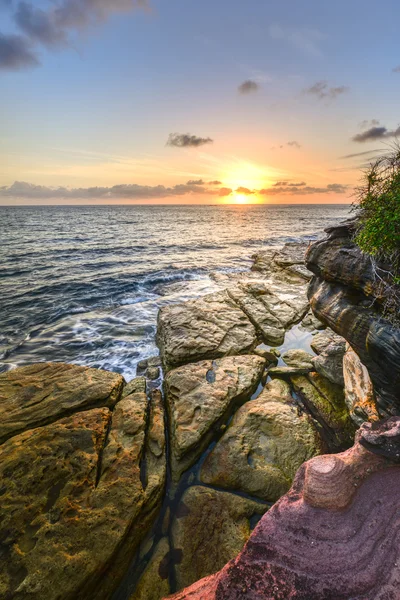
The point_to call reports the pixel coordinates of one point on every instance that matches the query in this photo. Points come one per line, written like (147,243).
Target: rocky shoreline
(126,491)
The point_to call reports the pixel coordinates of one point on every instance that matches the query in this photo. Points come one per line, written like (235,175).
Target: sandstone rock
(314,544)
(325,401)
(73,506)
(358,391)
(269,356)
(154,584)
(136,385)
(322,340)
(374,339)
(44,392)
(311,323)
(263,446)
(153,373)
(330,362)
(298,358)
(210,327)
(200,396)
(283,371)
(210,528)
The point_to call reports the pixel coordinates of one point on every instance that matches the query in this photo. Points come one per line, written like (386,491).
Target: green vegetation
(378,233)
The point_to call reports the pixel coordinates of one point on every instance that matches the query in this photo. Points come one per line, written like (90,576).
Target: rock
(340,516)
(373,338)
(210,327)
(42,393)
(154,361)
(269,356)
(325,401)
(73,507)
(298,358)
(322,340)
(210,528)
(199,397)
(311,323)
(282,371)
(153,373)
(136,385)
(154,584)
(330,362)
(263,446)
(358,390)
(346,294)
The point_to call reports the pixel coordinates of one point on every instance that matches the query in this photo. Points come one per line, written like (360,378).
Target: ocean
(83,284)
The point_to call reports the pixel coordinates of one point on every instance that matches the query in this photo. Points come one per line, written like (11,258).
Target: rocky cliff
(345,293)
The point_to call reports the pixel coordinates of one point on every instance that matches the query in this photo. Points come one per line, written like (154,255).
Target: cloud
(186,140)
(294,144)
(244,190)
(375,133)
(289,184)
(366,124)
(16,53)
(195,182)
(322,90)
(22,189)
(248,86)
(306,40)
(216,182)
(396,69)
(360,154)
(304,190)
(54,26)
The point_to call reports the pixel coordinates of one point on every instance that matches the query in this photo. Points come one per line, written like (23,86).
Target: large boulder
(333,536)
(210,327)
(78,495)
(330,362)
(266,442)
(209,529)
(45,392)
(199,398)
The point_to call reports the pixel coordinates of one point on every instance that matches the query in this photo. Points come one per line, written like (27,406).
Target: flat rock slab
(334,536)
(199,396)
(44,392)
(210,327)
(73,508)
(263,447)
(210,528)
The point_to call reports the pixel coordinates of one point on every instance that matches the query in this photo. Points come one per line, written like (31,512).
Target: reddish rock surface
(334,536)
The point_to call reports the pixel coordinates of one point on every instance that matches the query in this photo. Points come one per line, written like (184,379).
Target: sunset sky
(183,101)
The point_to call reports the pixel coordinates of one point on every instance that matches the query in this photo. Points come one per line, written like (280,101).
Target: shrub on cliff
(378,233)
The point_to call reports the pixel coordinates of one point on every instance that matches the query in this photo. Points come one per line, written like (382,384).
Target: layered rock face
(333,536)
(79,492)
(345,294)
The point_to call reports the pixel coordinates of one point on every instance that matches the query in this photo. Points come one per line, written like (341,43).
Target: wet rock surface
(266,442)
(199,396)
(334,535)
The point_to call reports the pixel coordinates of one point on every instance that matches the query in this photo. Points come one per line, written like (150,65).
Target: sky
(181,101)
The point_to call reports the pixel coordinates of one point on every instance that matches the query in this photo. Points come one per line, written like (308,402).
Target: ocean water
(83,284)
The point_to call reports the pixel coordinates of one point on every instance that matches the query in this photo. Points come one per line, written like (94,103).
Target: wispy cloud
(323,91)
(245,191)
(249,86)
(187,140)
(376,133)
(304,39)
(360,154)
(293,144)
(289,184)
(54,27)
(16,53)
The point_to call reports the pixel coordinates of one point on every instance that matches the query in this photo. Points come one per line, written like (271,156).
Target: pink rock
(334,536)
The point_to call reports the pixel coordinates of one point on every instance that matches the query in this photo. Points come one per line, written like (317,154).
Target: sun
(240,199)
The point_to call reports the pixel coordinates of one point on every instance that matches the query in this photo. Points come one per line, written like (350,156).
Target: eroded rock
(154,583)
(329,362)
(210,528)
(45,392)
(314,544)
(358,389)
(199,396)
(210,327)
(263,446)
